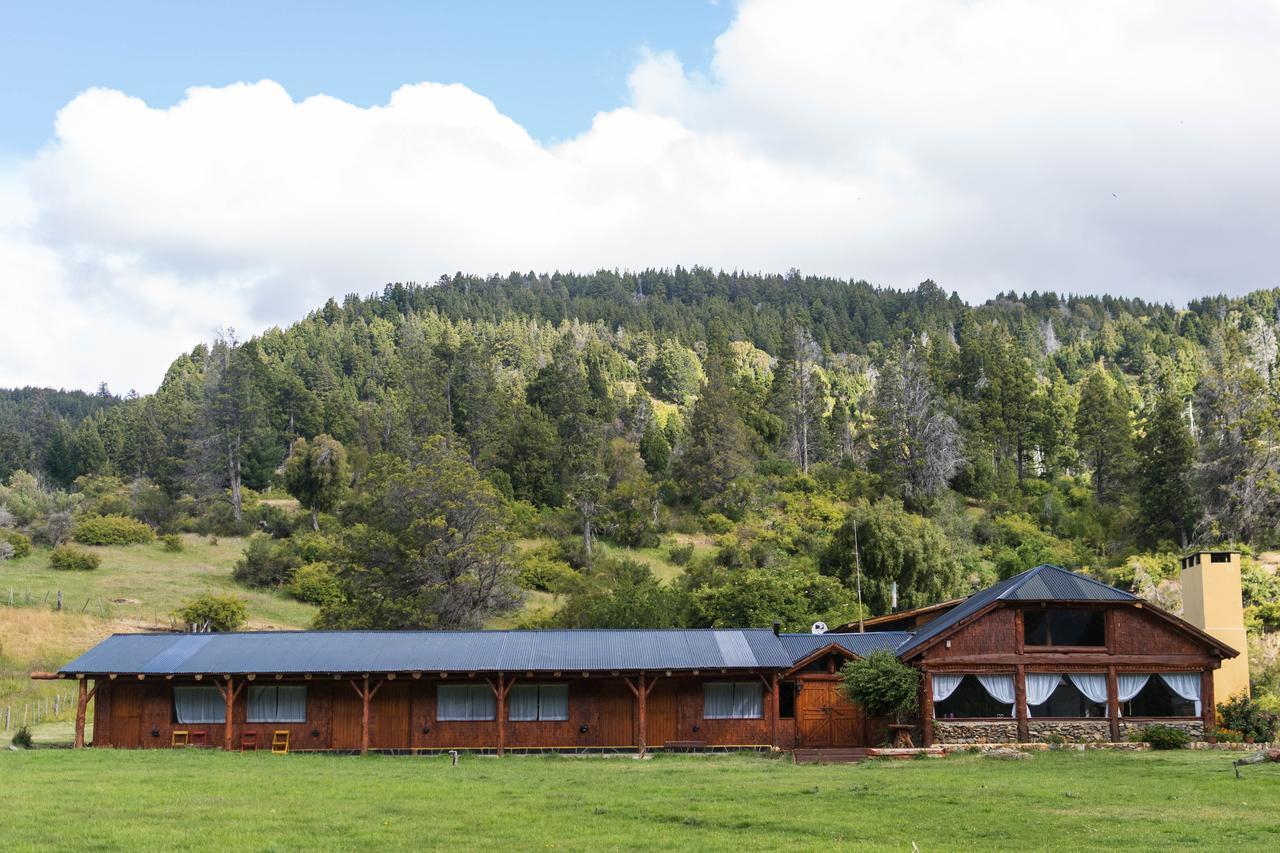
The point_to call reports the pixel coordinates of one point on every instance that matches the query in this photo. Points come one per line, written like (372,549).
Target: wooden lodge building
(1047,652)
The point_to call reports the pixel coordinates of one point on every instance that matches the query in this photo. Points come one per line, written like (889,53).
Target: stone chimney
(1212,601)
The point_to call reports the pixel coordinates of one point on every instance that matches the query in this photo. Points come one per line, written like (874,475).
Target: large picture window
(1064,627)
(538,702)
(733,700)
(277,704)
(1158,698)
(465,702)
(1074,695)
(199,705)
(958,696)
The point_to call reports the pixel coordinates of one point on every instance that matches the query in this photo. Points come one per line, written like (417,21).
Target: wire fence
(53,599)
(47,709)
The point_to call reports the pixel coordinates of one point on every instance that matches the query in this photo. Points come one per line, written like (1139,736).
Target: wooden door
(826,719)
(389,717)
(660,713)
(126,715)
(346,710)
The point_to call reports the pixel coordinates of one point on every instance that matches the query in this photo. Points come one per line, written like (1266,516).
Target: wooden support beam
(926,709)
(642,738)
(1208,710)
(773,712)
(1113,703)
(81,705)
(365,696)
(1020,702)
(48,676)
(502,716)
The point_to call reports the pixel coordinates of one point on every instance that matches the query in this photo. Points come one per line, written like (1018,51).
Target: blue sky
(549,64)
(198,179)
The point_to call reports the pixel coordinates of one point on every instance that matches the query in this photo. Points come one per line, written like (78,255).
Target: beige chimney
(1213,602)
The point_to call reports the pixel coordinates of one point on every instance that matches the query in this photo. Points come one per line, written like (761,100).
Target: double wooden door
(826,719)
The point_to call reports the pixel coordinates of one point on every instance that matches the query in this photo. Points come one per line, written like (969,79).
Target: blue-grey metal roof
(1043,583)
(433,651)
(800,646)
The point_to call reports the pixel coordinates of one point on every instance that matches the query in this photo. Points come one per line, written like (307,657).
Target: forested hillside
(463,446)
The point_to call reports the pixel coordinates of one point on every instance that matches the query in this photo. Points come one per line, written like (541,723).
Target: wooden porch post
(926,709)
(502,717)
(644,727)
(364,717)
(1020,702)
(82,705)
(1113,703)
(230,696)
(1208,710)
(773,712)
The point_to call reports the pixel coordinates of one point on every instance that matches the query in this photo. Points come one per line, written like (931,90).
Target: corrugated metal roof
(433,651)
(800,646)
(1043,583)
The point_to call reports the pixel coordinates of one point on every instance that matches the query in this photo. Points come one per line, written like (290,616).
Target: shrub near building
(112,530)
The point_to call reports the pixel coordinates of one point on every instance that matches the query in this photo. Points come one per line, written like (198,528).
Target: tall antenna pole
(857,562)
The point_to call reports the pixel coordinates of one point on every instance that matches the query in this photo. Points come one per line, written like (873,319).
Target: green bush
(172,543)
(716,522)
(1164,737)
(267,563)
(316,583)
(112,530)
(21,544)
(213,612)
(69,558)
(1227,736)
(883,685)
(540,569)
(22,737)
(681,554)
(1247,716)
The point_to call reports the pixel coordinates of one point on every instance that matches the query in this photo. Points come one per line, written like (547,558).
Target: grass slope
(198,799)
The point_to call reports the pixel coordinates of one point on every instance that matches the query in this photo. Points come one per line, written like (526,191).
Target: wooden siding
(403,717)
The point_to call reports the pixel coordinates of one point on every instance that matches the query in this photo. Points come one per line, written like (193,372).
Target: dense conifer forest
(464,446)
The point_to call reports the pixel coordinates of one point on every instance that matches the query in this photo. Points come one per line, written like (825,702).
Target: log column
(502,716)
(1208,711)
(1020,702)
(229,693)
(82,704)
(1113,703)
(773,712)
(926,708)
(366,696)
(641,690)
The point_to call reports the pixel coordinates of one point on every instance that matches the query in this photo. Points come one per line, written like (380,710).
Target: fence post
(59,605)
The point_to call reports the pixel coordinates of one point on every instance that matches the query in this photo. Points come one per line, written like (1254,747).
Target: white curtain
(1092,684)
(522,702)
(199,705)
(1130,686)
(465,702)
(553,702)
(1040,687)
(944,684)
(283,704)
(999,686)
(743,700)
(1185,684)
(717,701)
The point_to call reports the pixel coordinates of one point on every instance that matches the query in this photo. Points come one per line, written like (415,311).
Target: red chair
(249,741)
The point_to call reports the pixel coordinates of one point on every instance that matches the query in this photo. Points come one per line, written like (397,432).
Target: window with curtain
(1064,627)
(970,698)
(528,702)
(277,704)
(465,702)
(199,705)
(1158,698)
(1068,696)
(733,700)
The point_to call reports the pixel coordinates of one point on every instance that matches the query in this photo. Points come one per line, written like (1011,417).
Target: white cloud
(990,144)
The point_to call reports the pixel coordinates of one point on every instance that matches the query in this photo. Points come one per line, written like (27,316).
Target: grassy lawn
(209,800)
(145,583)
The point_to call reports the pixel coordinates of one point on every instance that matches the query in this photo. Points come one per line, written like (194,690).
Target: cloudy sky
(165,173)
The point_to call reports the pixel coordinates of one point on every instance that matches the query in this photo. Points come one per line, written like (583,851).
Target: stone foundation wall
(1071,731)
(975,731)
(1195,728)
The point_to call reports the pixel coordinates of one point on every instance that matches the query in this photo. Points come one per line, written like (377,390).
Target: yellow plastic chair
(280,742)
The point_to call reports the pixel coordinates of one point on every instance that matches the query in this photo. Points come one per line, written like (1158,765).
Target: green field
(210,800)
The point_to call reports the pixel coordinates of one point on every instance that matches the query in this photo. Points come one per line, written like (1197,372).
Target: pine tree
(717,449)
(1167,454)
(1104,435)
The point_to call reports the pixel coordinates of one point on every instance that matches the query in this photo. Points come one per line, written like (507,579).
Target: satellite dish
(818,628)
